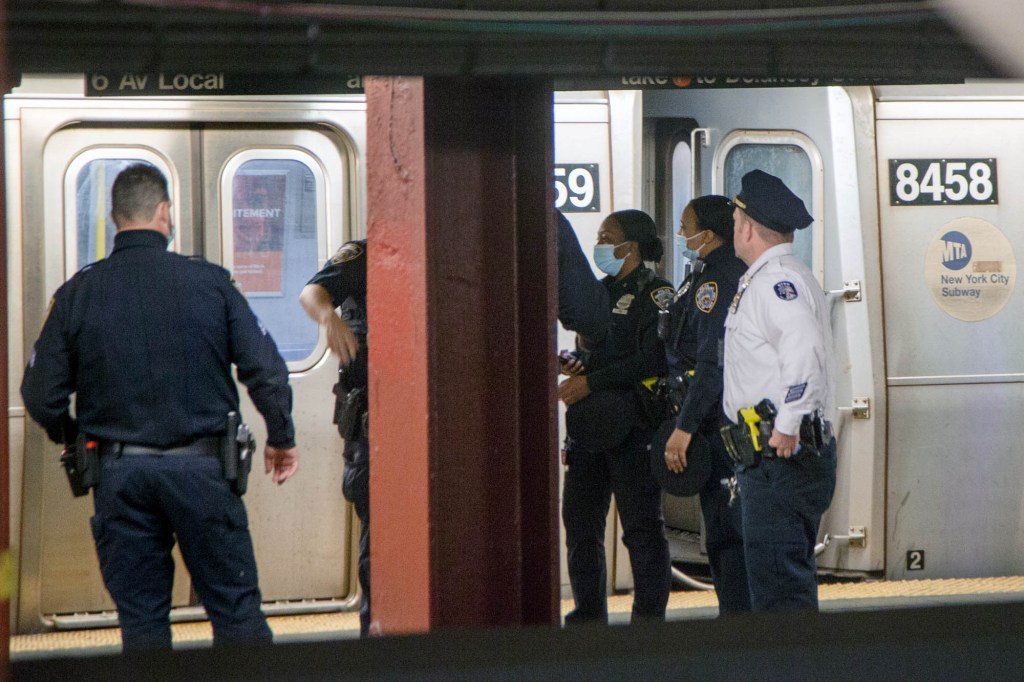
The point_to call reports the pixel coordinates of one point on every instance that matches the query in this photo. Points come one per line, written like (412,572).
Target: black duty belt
(209,446)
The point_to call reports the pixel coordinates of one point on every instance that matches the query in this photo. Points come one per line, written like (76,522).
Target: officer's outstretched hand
(282,461)
(341,340)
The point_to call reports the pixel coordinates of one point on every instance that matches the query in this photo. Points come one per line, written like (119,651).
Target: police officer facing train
(145,339)
(778,349)
(693,329)
(607,448)
(342,284)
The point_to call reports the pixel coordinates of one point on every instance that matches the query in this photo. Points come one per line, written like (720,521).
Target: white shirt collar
(785,249)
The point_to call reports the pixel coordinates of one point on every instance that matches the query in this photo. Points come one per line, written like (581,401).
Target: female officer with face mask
(694,333)
(607,447)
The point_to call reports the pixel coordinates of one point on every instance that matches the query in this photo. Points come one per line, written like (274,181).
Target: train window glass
(87,189)
(682,192)
(274,225)
(785,161)
(790,156)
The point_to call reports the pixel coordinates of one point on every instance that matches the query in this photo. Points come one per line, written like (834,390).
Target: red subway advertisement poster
(258,214)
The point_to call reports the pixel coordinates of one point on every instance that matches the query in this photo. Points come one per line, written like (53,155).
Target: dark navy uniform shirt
(344,279)
(697,333)
(146,338)
(631,351)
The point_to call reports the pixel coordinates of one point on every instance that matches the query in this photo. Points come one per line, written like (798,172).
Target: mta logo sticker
(956,250)
(706,296)
(785,290)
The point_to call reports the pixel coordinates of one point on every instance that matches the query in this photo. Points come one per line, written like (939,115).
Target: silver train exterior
(917,226)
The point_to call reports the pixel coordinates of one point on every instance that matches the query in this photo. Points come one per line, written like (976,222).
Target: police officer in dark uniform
(342,284)
(145,339)
(693,329)
(607,448)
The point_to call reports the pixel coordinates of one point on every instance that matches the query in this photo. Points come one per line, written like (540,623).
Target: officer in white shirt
(778,354)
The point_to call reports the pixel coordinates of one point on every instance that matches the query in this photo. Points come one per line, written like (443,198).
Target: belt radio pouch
(81,462)
(350,415)
(236,454)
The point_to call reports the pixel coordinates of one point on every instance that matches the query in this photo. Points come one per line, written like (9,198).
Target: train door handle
(849,293)
(700,138)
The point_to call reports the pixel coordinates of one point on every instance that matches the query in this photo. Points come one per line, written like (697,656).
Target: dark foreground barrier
(981,642)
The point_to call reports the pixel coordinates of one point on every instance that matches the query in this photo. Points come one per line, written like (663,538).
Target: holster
(815,433)
(81,462)
(351,400)
(351,414)
(655,401)
(237,450)
(739,443)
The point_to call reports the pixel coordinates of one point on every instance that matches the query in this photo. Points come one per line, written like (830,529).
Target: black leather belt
(209,446)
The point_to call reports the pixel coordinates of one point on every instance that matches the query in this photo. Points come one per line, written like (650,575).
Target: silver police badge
(706,296)
(785,290)
(622,305)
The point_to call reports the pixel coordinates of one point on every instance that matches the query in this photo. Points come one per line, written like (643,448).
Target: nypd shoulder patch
(347,252)
(662,297)
(706,296)
(785,290)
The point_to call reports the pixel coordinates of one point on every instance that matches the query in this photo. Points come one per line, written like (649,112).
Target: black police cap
(698,463)
(766,199)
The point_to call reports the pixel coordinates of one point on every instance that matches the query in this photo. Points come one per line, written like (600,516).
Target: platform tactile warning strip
(346,625)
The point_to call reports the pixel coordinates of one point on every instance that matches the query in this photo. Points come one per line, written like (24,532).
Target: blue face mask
(685,251)
(604,258)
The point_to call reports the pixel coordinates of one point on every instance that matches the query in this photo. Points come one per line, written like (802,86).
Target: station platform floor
(868,595)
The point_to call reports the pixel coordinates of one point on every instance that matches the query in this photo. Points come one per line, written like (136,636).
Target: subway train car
(913,241)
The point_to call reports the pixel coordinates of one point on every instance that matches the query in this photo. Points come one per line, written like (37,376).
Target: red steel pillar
(462,306)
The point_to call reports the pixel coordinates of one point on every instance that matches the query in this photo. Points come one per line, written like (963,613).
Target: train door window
(87,184)
(682,192)
(274,210)
(790,156)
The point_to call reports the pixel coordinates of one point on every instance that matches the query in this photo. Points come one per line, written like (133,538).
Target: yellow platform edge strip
(348,622)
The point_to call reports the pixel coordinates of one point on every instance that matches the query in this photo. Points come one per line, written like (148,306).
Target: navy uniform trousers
(783,500)
(142,503)
(723,532)
(355,486)
(590,481)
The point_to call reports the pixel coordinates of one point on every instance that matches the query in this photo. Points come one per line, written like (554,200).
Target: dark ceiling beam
(103,35)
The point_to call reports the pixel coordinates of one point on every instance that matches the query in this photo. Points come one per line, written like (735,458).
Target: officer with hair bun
(693,330)
(607,446)
(778,350)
